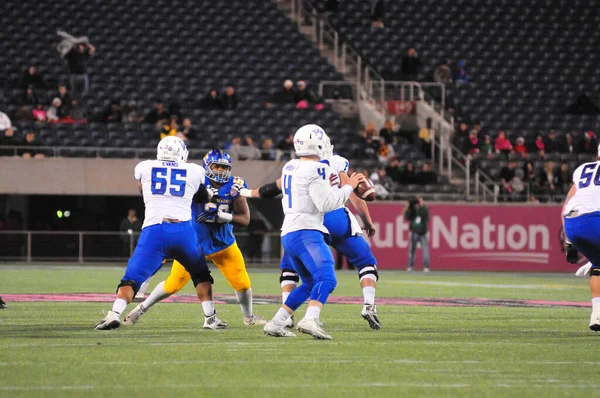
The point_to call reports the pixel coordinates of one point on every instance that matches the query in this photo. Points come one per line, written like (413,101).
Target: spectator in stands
(386,152)
(425,138)
(520,147)
(473,142)
(410,65)
(8,139)
(32,79)
(131,113)
(387,132)
(383,184)
(461,137)
(286,95)
(113,113)
(5,122)
(78,112)
(169,129)
(487,148)
(158,114)
(39,113)
(23,114)
(547,180)
(77,59)
(31,143)
(393,170)
(29,97)
(229,100)
(563,178)
(442,74)
(370,148)
(503,144)
(243,150)
(570,146)
(460,73)
(211,100)
(589,143)
(287,144)
(552,143)
(187,133)
(175,111)
(408,175)
(370,130)
(507,174)
(540,147)
(63,95)
(305,96)
(529,175)
(53,113)
(377,14)
(426,176)
(269,152)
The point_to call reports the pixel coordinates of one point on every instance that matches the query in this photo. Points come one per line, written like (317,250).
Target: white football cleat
(314,327)
(272,329)
(112,320)
(369,313)
(212,322)
(595,322)
(254,320)
(289,323)
(134,315)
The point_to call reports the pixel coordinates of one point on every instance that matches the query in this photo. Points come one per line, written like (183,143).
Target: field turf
(463,348)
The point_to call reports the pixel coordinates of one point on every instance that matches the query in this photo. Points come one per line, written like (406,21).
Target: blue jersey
(212,236)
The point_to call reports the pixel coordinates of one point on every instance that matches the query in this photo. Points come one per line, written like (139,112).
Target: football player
(215,235)
(307,195)
(168,184)
(346,237)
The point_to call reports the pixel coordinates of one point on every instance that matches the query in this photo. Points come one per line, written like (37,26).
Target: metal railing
(91,246)
(110,152)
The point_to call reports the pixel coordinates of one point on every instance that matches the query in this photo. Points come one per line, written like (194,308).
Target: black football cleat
(2,304)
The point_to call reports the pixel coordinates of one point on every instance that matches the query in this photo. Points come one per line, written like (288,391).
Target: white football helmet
(328,153)
(172,149)
(310,140)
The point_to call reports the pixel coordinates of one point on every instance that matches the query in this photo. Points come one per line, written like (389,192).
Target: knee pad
(129,283)
(202,277)
(595,272)
(288,277)
(369,271)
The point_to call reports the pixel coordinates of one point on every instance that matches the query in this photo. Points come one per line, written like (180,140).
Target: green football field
(529,339)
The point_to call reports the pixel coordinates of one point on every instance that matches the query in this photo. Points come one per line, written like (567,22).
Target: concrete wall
(56,176)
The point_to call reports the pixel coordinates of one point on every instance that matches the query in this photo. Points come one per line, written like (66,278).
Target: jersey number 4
(586,176)
(174,181)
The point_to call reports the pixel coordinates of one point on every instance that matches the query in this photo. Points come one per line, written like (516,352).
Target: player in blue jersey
(169,185)
(346,237)
(215,235)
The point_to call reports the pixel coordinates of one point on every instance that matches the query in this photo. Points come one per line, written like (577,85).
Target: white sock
(369,295)
(119,306)
(284,296)
(281,316)
(158,294)
(245,300)
(144,287)
(596,304)
(312,312)
(209,308)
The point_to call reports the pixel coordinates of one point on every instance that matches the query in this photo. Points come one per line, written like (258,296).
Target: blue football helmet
(218,157)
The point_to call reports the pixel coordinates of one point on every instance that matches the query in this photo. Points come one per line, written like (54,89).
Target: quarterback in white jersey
(346,237)
(307,196)
(581,221)
(168,185)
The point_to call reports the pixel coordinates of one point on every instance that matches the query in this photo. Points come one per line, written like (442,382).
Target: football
(366,190)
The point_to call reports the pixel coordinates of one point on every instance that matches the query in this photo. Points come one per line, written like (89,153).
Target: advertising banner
(471,237)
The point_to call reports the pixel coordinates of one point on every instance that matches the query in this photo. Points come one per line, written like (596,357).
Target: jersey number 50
(586,176)
(174,181)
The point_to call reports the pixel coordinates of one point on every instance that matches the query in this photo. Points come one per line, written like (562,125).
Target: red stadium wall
(465,237)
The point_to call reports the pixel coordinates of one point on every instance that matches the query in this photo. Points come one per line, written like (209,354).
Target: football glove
(212,192)
(584,269)
(209,214)
(572,253)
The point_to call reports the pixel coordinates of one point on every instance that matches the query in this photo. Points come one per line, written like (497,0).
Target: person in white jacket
(307,196)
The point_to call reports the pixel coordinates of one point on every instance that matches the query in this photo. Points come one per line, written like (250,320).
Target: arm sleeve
(269,190)
(326,199)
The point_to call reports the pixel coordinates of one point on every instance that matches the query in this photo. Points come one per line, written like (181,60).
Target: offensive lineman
(581,221)
(215,235)
(168,185)
(307,195)
(345,237)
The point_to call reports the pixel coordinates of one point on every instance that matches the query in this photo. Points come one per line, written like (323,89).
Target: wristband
(246,193)
(223,217)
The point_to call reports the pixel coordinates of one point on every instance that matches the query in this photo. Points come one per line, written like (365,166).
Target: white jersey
(338,165)
(307,195)
(586,179)
(168,189)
